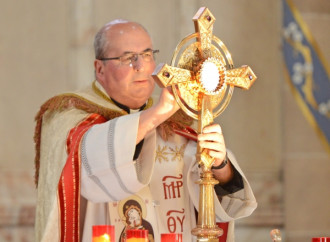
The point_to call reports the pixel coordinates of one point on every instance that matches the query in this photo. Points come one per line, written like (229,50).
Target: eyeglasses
(130,58)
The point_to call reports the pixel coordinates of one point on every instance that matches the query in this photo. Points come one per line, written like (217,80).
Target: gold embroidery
(100,93)
(161,153)
(166,153)
(177,153)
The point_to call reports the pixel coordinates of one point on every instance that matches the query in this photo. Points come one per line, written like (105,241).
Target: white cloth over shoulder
(109,172)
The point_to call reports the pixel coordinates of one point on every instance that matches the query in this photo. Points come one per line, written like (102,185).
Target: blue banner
(307,71)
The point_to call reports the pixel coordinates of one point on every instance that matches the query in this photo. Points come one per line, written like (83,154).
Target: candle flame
(102,238)
(106,237)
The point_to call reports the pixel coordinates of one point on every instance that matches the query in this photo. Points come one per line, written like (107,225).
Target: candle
(102,238)
(136,235)
(103,233)
(171,237)
(321,239)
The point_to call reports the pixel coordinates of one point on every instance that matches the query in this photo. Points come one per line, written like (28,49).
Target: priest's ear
(99,69)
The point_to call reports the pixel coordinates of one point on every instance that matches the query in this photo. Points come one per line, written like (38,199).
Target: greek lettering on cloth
(168,187)
(174,187)
(69,184)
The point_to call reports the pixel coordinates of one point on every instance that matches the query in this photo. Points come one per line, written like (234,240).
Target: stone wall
(306,164)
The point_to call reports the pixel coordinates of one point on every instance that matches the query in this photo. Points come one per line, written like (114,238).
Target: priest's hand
(157,114)
(167,102)
(212,140)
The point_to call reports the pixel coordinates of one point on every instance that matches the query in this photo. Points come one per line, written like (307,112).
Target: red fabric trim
(224,227)
(187,132)
(69,183)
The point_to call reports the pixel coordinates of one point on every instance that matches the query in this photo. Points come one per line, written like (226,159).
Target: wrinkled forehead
(128,37)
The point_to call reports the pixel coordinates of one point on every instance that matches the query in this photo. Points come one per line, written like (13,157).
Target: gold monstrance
(202,79)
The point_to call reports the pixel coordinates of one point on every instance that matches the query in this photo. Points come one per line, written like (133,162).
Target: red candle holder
(321,239)
(171,237)
(137,235)
(103,233)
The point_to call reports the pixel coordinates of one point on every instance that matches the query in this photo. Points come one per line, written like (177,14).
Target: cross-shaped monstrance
(202,79)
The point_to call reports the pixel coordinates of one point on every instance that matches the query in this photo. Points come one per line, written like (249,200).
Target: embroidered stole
(69,183)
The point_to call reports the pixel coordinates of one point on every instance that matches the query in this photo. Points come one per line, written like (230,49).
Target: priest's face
(128,81)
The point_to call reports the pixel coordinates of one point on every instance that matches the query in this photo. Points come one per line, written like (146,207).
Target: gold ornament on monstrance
(203,77)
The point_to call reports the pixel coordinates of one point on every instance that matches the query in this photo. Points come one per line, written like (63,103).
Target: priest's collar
(97,87)
(127,109)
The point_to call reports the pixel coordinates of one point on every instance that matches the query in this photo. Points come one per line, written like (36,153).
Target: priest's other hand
(212,139)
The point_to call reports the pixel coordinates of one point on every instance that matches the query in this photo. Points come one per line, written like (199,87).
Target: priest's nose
(138,63)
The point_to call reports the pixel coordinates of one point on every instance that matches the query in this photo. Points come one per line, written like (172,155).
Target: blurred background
(46,47)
